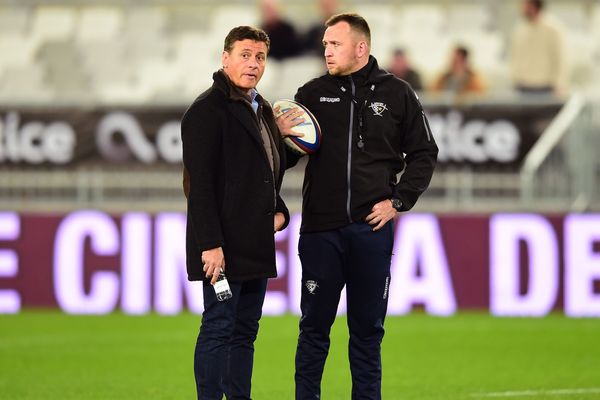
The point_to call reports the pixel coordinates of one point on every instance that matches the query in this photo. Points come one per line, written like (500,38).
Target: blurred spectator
(538,59)
(313,39)
(400,67)
(460,78)
(284,39)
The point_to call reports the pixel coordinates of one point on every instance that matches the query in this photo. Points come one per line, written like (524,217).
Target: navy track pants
(358,258)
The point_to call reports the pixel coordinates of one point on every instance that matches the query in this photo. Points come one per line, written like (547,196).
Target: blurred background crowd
(165,51)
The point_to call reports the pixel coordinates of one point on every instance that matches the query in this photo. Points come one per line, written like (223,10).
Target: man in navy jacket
(374,128)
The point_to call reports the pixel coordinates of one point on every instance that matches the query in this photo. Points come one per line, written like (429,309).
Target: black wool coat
(232,192)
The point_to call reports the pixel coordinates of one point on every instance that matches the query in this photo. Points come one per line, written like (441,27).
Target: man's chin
(250,84)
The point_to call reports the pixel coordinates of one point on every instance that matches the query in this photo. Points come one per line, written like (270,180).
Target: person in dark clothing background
(233,168)
(400,67)
(313,38)
(373,129)
(285,41)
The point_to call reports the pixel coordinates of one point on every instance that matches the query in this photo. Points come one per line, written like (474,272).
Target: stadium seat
(13,20)
(429,53)
(64,72)
(158,74)
(192,45)
(571,14)
(24,83)
(594,31)
(148,46)
(148,20)
(58,53)
(299,68)
(122,93)
(185,18)
(413,19)
(227,16)
(580,47)
(382,32)
(271,81)
(485,47)
(106,64)
(53,23)
(195,77)
(16,50)
(196,57)
(497,79)
(95,54)
(110,70)
(382,13)
(99,23)
(472,18)
(283,78)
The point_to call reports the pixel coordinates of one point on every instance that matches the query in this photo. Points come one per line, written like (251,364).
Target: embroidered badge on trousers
(311,286)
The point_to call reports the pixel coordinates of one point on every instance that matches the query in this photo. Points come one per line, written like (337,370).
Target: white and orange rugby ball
(310,142)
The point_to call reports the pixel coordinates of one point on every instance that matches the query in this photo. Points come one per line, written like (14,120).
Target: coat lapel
(241,113)
(273,132)
(236,107)
(250,124)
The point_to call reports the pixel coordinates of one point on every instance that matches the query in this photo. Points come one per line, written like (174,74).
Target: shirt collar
(253,94)
(253,101)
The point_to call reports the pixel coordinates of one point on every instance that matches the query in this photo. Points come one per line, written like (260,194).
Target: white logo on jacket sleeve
(329,99)
(378,108)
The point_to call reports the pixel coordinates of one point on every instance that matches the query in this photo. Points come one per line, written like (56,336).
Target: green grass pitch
(49,355)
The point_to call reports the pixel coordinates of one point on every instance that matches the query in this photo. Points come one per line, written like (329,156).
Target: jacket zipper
(349,166)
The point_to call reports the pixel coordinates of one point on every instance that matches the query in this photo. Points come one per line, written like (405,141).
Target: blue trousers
(224,352)
(358,258)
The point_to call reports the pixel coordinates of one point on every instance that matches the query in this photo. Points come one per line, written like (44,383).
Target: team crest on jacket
(378,108)
(311,286)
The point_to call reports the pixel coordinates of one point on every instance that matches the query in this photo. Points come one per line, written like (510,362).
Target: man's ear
(224,59)
(362,49)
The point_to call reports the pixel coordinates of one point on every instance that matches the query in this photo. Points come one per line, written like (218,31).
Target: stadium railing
(559,171)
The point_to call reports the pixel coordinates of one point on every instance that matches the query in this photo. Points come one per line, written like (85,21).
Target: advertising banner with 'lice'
(488,136)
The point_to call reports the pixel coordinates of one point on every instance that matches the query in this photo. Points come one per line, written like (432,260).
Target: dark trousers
(225,347)
(358,258)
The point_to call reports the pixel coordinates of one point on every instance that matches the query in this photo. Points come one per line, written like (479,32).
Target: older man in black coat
(234,164)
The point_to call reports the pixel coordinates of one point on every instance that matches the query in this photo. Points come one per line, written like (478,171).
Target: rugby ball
(310,142)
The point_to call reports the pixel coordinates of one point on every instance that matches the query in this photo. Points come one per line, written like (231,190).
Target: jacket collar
(370,73)
(363,74)
(233,93)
